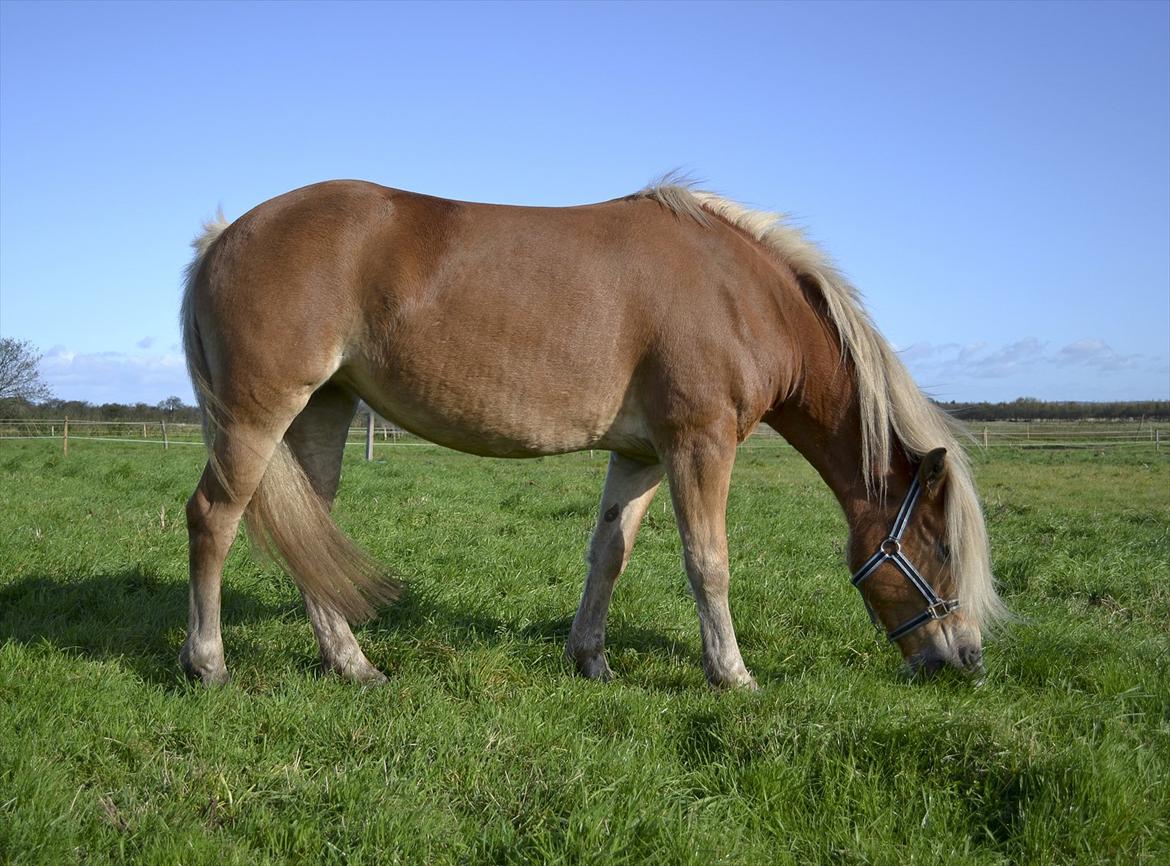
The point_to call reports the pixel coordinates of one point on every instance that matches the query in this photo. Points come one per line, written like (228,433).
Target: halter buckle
(891,546)
(942,608)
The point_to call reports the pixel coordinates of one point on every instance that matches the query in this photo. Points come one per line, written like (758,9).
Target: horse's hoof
(592,666)
(210,676)
(370,678)
(215,679)
(742,680)
(600,674)
(361,674)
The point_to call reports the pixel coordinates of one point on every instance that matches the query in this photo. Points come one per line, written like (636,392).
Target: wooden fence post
(370,436)
(985,437)
(166,441)
(143,429)
(65,438)
(1157,440)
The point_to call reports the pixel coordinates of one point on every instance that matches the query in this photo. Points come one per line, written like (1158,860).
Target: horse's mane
(893,409)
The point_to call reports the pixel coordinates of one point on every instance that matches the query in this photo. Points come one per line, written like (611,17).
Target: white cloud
(115,377)
(1099,354)
(978,360)
(1087,369)
(983,361)
(145,343)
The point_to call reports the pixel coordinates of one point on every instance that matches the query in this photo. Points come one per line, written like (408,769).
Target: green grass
(484,748)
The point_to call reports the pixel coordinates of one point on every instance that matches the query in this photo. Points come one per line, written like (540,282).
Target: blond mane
(893,409)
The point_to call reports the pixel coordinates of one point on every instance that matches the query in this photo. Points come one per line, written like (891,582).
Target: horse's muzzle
(968,660)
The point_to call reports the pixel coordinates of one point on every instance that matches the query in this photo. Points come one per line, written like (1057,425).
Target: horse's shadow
(137,620)
(129,616)
(413,610)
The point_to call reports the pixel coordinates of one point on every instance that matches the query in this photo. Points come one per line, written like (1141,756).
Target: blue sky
(995,177)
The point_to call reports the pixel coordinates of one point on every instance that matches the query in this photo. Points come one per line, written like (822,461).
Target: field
(485,749)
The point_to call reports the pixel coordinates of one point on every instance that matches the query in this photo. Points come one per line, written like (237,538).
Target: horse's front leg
(699,468)
(629,489)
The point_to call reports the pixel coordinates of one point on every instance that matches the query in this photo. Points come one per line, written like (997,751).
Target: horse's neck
(823,422)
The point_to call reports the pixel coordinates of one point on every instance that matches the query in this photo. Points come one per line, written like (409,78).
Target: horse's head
(905,570)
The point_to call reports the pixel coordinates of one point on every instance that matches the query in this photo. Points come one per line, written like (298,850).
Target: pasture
(484,748)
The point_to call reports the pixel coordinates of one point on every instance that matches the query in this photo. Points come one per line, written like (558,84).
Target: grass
(485,749)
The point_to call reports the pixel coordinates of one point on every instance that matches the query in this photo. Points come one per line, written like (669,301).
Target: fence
(68,430)
(367,430)
(1069,434)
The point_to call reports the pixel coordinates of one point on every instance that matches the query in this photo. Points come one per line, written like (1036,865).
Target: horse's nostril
(971,657)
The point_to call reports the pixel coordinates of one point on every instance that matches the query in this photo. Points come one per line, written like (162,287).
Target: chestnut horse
(662,327)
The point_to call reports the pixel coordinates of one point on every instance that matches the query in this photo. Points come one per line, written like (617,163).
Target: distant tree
(19,377)
(171,405)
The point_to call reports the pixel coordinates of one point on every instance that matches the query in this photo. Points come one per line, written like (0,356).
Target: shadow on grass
(411,612)
(538,644)
(130,616)
(134,618)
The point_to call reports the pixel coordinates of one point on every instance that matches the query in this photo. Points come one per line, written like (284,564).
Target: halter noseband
(890,551)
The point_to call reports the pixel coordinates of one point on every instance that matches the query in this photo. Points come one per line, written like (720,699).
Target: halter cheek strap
(890,551)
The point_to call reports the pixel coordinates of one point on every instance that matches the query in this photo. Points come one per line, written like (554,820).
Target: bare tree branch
(20,377)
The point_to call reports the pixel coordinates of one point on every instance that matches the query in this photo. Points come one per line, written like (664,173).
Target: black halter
(891,551)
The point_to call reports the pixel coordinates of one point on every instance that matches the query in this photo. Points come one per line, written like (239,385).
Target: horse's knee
(707,569)
(607,555)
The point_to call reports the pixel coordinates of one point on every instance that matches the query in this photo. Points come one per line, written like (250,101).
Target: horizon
(995,179)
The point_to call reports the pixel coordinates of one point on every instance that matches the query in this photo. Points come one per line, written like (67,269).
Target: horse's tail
(290,522)
(197,366)
(286,518)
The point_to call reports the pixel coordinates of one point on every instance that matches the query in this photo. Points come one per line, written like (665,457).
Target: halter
(890,551)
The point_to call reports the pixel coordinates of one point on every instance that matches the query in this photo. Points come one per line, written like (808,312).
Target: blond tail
(290,522)
(197,366)
(286,518)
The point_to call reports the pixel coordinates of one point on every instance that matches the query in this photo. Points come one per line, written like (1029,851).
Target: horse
(663,327)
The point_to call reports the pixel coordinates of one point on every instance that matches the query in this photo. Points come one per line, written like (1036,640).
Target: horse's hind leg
(629,488)
(699,468)
(317,439)
(242,453)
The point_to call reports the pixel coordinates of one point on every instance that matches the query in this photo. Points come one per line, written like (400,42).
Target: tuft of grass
(484,747)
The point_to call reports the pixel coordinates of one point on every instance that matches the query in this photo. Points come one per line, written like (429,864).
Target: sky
(995,177)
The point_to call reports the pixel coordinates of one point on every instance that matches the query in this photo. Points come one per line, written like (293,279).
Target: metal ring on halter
(890,551)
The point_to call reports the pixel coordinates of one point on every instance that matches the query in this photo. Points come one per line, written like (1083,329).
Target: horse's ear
(932,472)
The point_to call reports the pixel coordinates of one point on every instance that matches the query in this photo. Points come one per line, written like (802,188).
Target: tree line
(172,410)
(1032,409)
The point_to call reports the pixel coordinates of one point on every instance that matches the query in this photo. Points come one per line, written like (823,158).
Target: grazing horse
(662,327)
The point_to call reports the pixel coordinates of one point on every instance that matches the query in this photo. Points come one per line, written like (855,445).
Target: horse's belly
(503,412)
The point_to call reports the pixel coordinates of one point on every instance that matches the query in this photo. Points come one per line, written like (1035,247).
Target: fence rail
(366,431)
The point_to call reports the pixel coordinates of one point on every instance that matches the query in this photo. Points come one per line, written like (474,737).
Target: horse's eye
(942,550)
